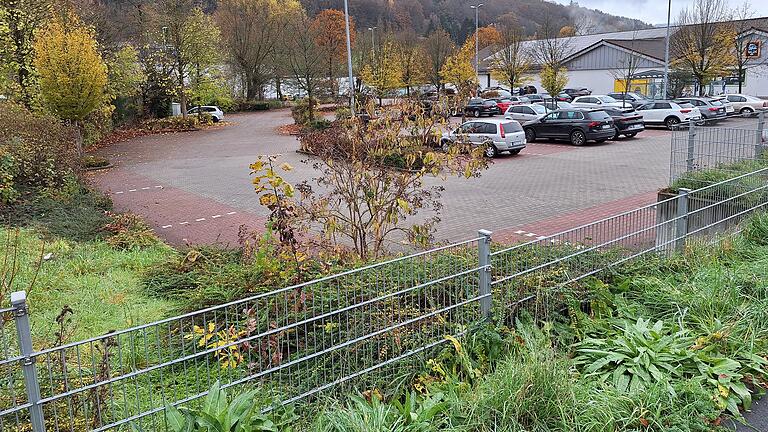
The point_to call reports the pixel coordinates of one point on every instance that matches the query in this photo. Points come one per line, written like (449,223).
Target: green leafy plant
(220,414)
(636,357)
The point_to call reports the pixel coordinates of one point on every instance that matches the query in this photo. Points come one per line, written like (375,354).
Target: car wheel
(491,151)
(215,119)
(631,135)
(530,135)
(746,111)
(578,138)
(672,122)
(476,113)
(445,145)
(515,152)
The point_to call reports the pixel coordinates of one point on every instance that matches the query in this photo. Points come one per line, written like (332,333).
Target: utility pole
(477,41)
(666,53)
(373,39)
(349,60)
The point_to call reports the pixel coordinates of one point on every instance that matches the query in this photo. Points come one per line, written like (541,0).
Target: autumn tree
(384,73)
(304,59)
(411,57)
(19,20)
(703,43)
(458,70)
(438,46)
(251,31)
(190,40)
(553,80)
(486,36)
(741,28)
(567,31)
(511,61)
(72,74)
(329,28)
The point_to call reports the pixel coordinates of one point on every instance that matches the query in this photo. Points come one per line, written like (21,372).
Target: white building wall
(755,84)
(600,81)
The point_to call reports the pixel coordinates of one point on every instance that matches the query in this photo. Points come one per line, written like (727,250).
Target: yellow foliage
(72,74)
(459,71)
(554,80)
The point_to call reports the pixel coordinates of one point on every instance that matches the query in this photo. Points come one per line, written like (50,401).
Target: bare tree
(703,44)
(511,61)
(741,26)
(438,47)
(305,60)
(549,52)
(626,69)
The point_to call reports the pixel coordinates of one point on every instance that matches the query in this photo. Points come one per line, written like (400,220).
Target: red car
(503,103)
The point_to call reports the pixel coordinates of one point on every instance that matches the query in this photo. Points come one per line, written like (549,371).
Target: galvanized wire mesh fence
(341,330)
(705,155)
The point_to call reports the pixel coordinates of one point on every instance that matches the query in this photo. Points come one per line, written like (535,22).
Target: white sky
(655,11)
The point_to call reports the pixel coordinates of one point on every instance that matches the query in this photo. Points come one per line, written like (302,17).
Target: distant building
(593,58)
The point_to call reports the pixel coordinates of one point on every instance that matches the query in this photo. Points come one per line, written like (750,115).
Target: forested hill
(458,19)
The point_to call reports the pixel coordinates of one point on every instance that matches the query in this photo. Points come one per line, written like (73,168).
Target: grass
(102,286)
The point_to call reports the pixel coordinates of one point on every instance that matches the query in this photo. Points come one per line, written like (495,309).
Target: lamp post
(666,53)
(477,40)
(373,39)
(349,59)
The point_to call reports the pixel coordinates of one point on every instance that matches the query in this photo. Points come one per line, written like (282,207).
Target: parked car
(527,90)
(576,92)
(564,97)
(711,110)
(491,93)
(535,98)
(215,112)
(552,105)
(479,106)
(596,101)
(525,113)
(668,113)
(520,100)
(745,104)
(729,109)
(576,125)
(632,99)
(627,123)
(503,103)
(496,135)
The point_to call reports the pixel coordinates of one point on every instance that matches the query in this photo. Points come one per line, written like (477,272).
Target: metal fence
(342,330)
(717,153)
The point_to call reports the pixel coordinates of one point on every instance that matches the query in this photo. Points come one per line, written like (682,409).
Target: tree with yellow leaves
(411,56)
(553,79)
(486,36)
(71,72)
(458,70)
(384,72)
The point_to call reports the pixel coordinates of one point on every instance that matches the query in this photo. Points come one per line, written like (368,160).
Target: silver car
(496,136)
(215,112)
(746,105)
(524,113)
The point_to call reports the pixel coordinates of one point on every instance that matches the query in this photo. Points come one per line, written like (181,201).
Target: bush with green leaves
(412,413)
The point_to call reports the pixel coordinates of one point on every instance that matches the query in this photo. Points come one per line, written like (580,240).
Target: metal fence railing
(702,155)
(356,328)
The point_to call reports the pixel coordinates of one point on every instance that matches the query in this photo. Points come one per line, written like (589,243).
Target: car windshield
(607,99)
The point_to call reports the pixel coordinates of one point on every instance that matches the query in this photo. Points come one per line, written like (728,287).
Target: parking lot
(195,187)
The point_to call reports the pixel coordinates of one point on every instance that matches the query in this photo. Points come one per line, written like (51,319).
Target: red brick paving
(177,216)
(577,218)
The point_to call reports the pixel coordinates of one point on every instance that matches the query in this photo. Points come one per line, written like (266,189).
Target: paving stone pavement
(201,174)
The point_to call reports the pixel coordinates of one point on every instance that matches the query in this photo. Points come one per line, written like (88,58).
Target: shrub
(343,113)
(259,105)
(303,112)
(173,124)
(129,231)
(93,161)
(320,124)
(37,151)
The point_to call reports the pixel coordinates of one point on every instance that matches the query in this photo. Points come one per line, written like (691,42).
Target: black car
(534,98)
(479,106)
(576,125)
(627,122)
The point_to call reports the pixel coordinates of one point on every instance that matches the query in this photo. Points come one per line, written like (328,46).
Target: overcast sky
(655,11)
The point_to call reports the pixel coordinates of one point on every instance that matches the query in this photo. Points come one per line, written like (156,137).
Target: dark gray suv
(575,125)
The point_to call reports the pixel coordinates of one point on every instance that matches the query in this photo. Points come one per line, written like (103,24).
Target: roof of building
(653,48)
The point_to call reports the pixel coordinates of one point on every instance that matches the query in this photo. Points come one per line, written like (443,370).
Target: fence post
(759,144)
(682,219)
(484,259)
(691,144)
(24,331)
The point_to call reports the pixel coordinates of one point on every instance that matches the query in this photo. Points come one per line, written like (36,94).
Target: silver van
(496,135)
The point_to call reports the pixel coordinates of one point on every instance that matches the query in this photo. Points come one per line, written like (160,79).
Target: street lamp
(666,53)
(349,59)
(373,40)
(477,40)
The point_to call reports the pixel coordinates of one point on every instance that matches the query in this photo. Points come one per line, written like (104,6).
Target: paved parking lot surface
(195,187)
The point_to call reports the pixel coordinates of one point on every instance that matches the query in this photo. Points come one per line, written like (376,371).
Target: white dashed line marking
(166,226)
(184,223)
(131,190)
(519,232)
(231,213)
(119,192)
(215,216)
(199,220)
(530,235)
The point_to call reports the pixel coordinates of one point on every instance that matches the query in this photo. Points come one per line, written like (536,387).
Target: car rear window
(487,128)
(598,115)
(512,127)
(716,103)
